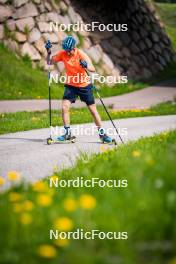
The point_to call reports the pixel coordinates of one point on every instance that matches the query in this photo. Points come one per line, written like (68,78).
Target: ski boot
(105,139)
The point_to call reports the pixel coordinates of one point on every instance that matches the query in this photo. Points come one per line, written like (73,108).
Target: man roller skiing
(75,62)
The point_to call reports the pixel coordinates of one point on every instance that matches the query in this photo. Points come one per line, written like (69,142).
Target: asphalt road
(28,153)
(143,98)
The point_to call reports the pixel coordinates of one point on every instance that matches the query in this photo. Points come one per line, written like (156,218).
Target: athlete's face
(71,52)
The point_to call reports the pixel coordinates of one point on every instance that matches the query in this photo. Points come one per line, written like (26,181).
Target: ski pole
(48,46)
(101,100)
(49,93)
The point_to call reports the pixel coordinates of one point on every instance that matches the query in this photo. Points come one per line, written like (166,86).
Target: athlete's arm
(56,58)
(86,58)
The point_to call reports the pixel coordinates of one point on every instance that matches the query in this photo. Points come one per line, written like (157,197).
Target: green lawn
(145,209)
(167,12)
(21,121)
(20,81)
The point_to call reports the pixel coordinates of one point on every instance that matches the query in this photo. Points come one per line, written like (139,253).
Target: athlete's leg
(66,112)
(97,119)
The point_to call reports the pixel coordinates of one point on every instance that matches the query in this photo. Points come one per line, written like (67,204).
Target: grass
(167,12)
(21,121)
(145,209)
(20,81)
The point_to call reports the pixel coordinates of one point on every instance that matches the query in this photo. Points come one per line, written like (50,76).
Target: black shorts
(85,94)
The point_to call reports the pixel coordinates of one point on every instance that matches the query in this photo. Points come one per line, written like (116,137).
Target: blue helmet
(68,43)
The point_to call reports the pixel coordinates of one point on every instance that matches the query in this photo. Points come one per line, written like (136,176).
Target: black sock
(68,130)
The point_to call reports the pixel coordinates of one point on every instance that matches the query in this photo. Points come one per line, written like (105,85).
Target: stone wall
(24,28)
(142,51)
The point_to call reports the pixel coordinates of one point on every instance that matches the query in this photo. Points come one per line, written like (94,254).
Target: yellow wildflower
(87,201)
(14,197)
(70,204)
(61,242)
(136,153)
(35,118)
(13,176)
(173,261)
(2,181)
(25,219)
(149,160)
(55,168)
(63,224)
(47,251)
(164,134)
(17,207)
(51,192)
(40,186)
(44,200)
(28,205)
(103,148)
(54,177)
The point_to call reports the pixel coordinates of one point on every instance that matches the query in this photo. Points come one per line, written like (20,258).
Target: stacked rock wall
(141,51)
(25,26)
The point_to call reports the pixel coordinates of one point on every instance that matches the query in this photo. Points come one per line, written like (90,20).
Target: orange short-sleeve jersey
(76,75)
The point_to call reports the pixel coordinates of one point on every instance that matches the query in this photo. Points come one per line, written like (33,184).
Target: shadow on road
(170,83)
(24,139)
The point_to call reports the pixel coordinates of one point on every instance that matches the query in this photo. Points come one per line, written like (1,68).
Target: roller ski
(71,139)
(105,139)
(65,138)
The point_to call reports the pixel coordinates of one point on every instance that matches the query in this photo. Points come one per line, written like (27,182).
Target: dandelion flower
(70,204)
(136,153)
(54,177)
(35,119)
(17,208)
(14,197)
(13,176)
(61,242)
(47,251)
(40,186)
(28,205)
(44,200)
(103,148)
(149,160)
(87,201)
(2,181)
(63,224)
(173,261)
(25,219)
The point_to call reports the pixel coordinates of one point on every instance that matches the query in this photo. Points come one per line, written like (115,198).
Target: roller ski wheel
(49,141)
